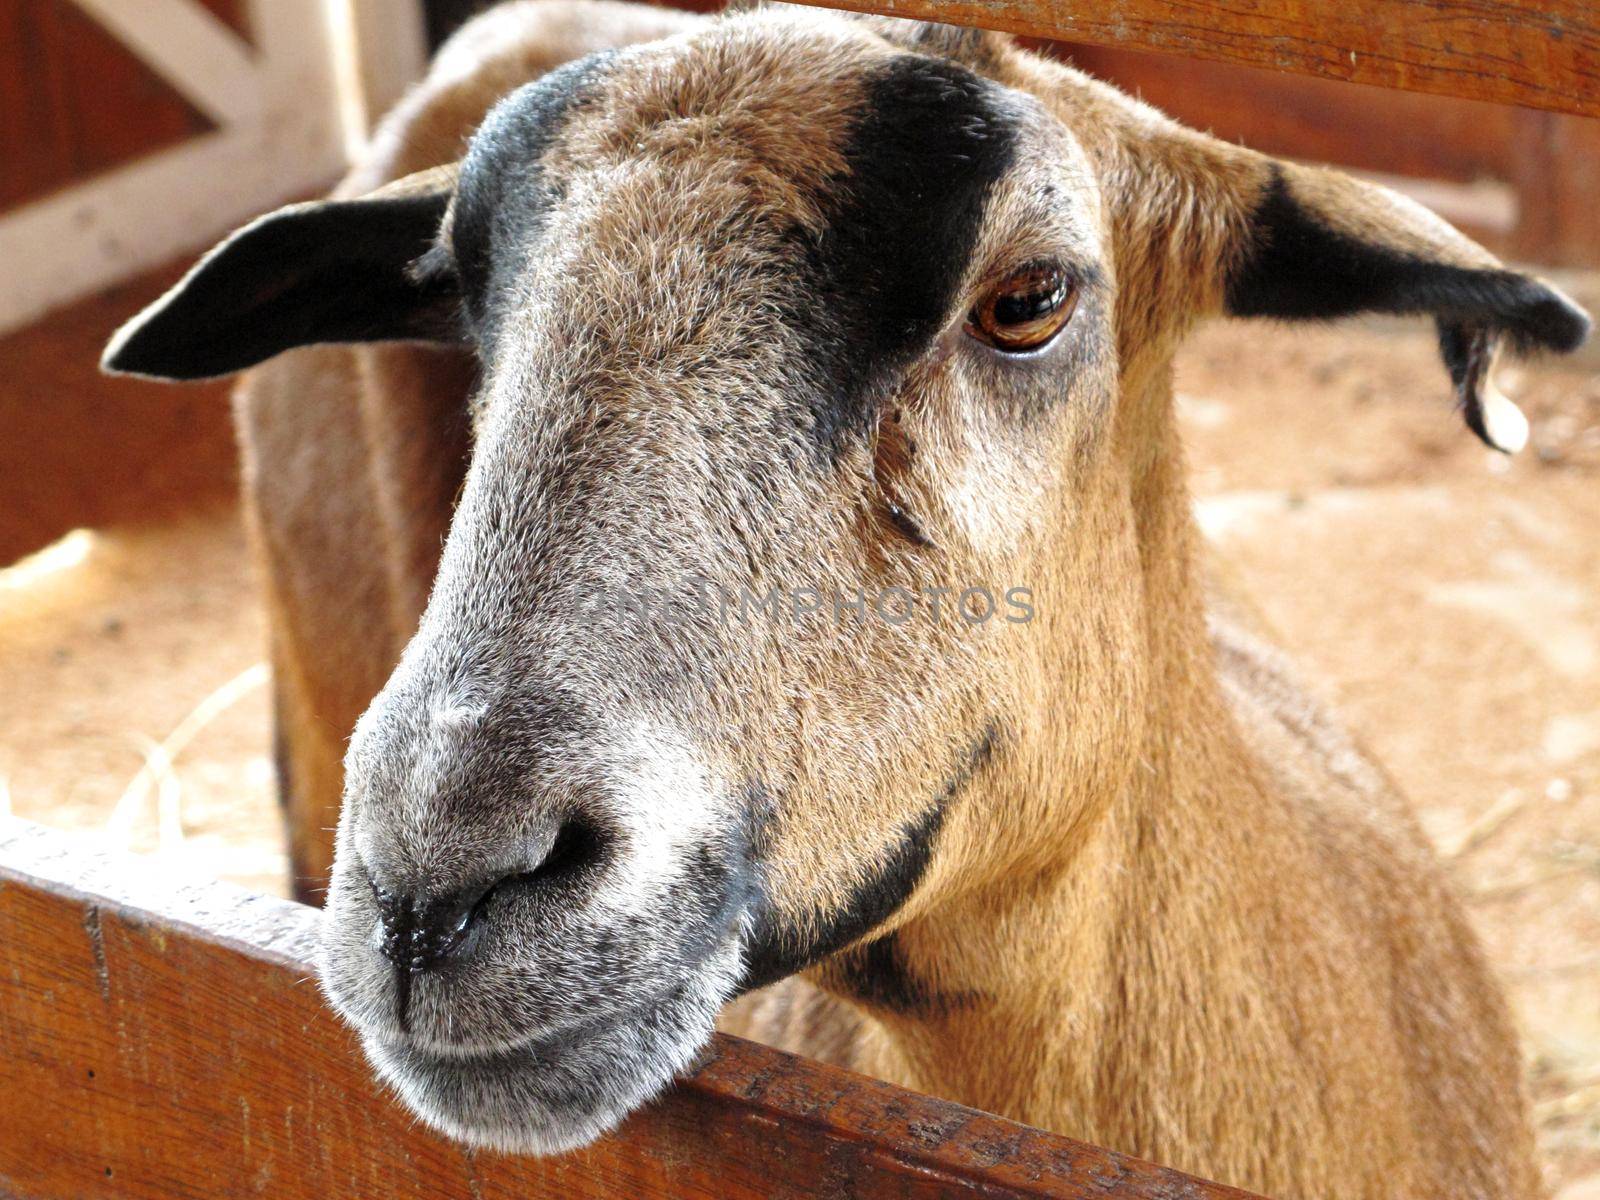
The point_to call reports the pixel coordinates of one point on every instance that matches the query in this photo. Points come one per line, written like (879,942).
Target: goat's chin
(555,1094)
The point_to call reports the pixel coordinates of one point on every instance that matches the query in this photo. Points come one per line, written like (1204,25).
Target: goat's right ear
(1318,244)
(327,271)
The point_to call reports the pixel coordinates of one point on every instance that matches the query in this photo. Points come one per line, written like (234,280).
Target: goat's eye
(1025,309)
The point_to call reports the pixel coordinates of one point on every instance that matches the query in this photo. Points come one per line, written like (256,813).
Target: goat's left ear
(327,271)
(1317,244)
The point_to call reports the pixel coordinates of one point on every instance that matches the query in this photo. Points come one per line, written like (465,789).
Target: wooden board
(1540,53)
(163,1039)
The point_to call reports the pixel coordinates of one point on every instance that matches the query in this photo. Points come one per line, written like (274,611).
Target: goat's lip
(397,1041)
(444,1055)
(551,1094)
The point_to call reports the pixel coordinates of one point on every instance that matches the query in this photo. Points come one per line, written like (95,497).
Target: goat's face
(720,290)
(802,359)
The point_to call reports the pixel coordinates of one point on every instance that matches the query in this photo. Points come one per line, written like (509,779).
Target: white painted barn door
(286,103)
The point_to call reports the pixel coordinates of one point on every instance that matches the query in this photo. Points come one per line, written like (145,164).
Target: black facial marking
(930,142)
(503,195)
(778,947)
(877,974)
(1300,268)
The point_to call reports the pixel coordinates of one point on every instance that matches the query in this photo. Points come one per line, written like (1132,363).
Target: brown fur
(1182,914)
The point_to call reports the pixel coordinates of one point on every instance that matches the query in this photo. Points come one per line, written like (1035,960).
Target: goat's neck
(1143,887)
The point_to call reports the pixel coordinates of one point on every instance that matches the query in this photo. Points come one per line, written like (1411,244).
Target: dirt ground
(1448,600)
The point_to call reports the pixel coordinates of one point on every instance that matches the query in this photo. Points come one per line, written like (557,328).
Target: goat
(785,326)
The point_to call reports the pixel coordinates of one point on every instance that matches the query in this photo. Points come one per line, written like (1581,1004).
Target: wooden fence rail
(164,1040)
(1540,53)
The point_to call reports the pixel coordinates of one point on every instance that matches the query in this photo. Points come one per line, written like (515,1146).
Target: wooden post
(162,1039)
(1556,170)
(381,49)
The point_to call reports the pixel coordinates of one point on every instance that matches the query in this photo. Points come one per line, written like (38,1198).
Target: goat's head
(822,395)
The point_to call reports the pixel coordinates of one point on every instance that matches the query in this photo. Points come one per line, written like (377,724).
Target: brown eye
(1025,309)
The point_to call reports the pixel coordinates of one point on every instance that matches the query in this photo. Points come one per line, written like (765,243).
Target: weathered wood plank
(1556,168)
(1319,120)
(166,1039)
(1540,53)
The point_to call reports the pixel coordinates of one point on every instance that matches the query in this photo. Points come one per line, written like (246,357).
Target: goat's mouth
(558,1091)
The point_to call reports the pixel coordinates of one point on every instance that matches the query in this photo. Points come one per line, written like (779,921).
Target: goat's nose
(419,932)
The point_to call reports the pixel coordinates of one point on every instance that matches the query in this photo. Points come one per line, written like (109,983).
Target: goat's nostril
(575,847)
(419,932)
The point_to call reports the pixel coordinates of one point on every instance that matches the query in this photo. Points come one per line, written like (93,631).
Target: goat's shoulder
(1331,782)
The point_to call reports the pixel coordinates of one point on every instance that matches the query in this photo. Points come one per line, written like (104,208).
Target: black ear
(1320,245)
(331,271)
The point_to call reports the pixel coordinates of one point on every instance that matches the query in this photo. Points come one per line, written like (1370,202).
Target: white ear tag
(1504,425)
(1471,355)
